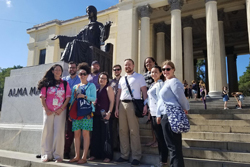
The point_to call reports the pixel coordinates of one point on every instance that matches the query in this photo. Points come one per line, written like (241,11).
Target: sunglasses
(83,74)
(164,69)
(116,69)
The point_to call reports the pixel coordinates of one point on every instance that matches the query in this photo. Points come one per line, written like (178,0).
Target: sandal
(74,160)
(106,160)
(91,158)
(82,161)
(150,143)
(154,145)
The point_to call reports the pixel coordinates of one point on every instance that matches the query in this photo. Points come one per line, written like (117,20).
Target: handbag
(80,108)
(177,119)
(138,103)
(84,107)
(223,95)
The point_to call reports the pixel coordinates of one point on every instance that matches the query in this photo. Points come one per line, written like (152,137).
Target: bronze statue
(77,48)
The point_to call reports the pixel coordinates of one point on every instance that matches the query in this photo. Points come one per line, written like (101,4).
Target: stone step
(216,155)
(206,144)
(233,123)
(224,116)
(229,137)
(9,158)
(219,111)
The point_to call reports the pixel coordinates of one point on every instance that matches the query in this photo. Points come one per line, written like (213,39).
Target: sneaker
(135,162)
(120,160)
(239,108)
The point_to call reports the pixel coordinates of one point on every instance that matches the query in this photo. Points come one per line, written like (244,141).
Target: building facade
(181,30)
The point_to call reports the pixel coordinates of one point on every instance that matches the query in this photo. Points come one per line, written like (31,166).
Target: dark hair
(72,63)
(117,65)
(159,68)
(104,73)
(224,87)
(94,10)
(48,79)
(145,68)
(130,60)
(84,66)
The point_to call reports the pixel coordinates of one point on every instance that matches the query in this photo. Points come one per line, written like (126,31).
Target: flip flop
(106,160)
(74,160)
(82,161)
(91,158)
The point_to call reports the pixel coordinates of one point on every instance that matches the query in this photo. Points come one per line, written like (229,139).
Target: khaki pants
(52,144)
(129,129)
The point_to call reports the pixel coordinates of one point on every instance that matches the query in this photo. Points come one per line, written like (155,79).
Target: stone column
(160,29)
(232,70)
(248,19)
(213,49)
(144,12)
(52,47)
(188,49)
(221,16)
(176,37)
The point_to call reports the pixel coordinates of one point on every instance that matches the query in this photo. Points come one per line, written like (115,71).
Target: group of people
(113,122)
(239,97)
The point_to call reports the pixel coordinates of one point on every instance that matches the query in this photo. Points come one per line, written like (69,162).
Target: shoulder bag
(138,103)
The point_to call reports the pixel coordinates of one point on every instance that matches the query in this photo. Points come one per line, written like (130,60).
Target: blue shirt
(153,96)
(172,93)
(72,82)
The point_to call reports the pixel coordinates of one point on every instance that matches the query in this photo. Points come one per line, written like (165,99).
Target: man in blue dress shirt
(73,80)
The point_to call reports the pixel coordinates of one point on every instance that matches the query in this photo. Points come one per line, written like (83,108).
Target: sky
(16,16)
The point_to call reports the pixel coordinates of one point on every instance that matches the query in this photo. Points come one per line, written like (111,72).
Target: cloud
(8,3)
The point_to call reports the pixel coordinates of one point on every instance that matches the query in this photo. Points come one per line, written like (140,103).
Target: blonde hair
(170,63)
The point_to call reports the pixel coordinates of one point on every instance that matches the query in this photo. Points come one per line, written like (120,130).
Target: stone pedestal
(213,49)
(176,37)
(22,115)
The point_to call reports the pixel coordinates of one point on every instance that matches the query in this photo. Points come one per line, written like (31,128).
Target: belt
(126,101)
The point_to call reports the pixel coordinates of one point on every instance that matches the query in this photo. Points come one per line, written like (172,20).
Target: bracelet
(110,112)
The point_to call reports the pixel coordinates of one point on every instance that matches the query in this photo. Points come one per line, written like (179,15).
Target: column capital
(210,1)
(221,15)
(144,11)
(187,21)
(175,4)
(160,27)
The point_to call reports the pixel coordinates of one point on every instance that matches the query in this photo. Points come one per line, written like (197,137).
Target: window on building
(42,56)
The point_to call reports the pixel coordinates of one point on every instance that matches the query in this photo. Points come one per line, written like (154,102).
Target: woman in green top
(86,123)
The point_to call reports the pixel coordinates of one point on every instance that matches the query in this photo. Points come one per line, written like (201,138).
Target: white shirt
(136,81)
(153,96)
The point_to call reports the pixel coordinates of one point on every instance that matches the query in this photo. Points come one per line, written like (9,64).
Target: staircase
(217,137)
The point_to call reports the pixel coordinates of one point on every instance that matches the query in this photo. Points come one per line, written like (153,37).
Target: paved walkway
(10,158)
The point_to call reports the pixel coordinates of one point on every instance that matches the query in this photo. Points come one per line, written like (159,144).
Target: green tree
(5,72)
(244,82)
(200,70)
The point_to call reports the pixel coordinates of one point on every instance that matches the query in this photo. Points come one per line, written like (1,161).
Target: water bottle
(103,113)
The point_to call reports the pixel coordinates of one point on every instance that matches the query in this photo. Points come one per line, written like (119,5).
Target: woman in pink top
(54,100)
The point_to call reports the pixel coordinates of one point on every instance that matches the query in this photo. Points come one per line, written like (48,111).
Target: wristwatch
(85,97)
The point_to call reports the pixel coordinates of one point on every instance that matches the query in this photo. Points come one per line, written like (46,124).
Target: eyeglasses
(116,69)
(103,78)
(164,69)
(83,73)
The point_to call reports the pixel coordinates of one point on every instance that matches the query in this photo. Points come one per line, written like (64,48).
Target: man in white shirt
(128,122)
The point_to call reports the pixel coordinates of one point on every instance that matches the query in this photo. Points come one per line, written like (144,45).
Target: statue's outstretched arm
(105,31)
(63,40)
